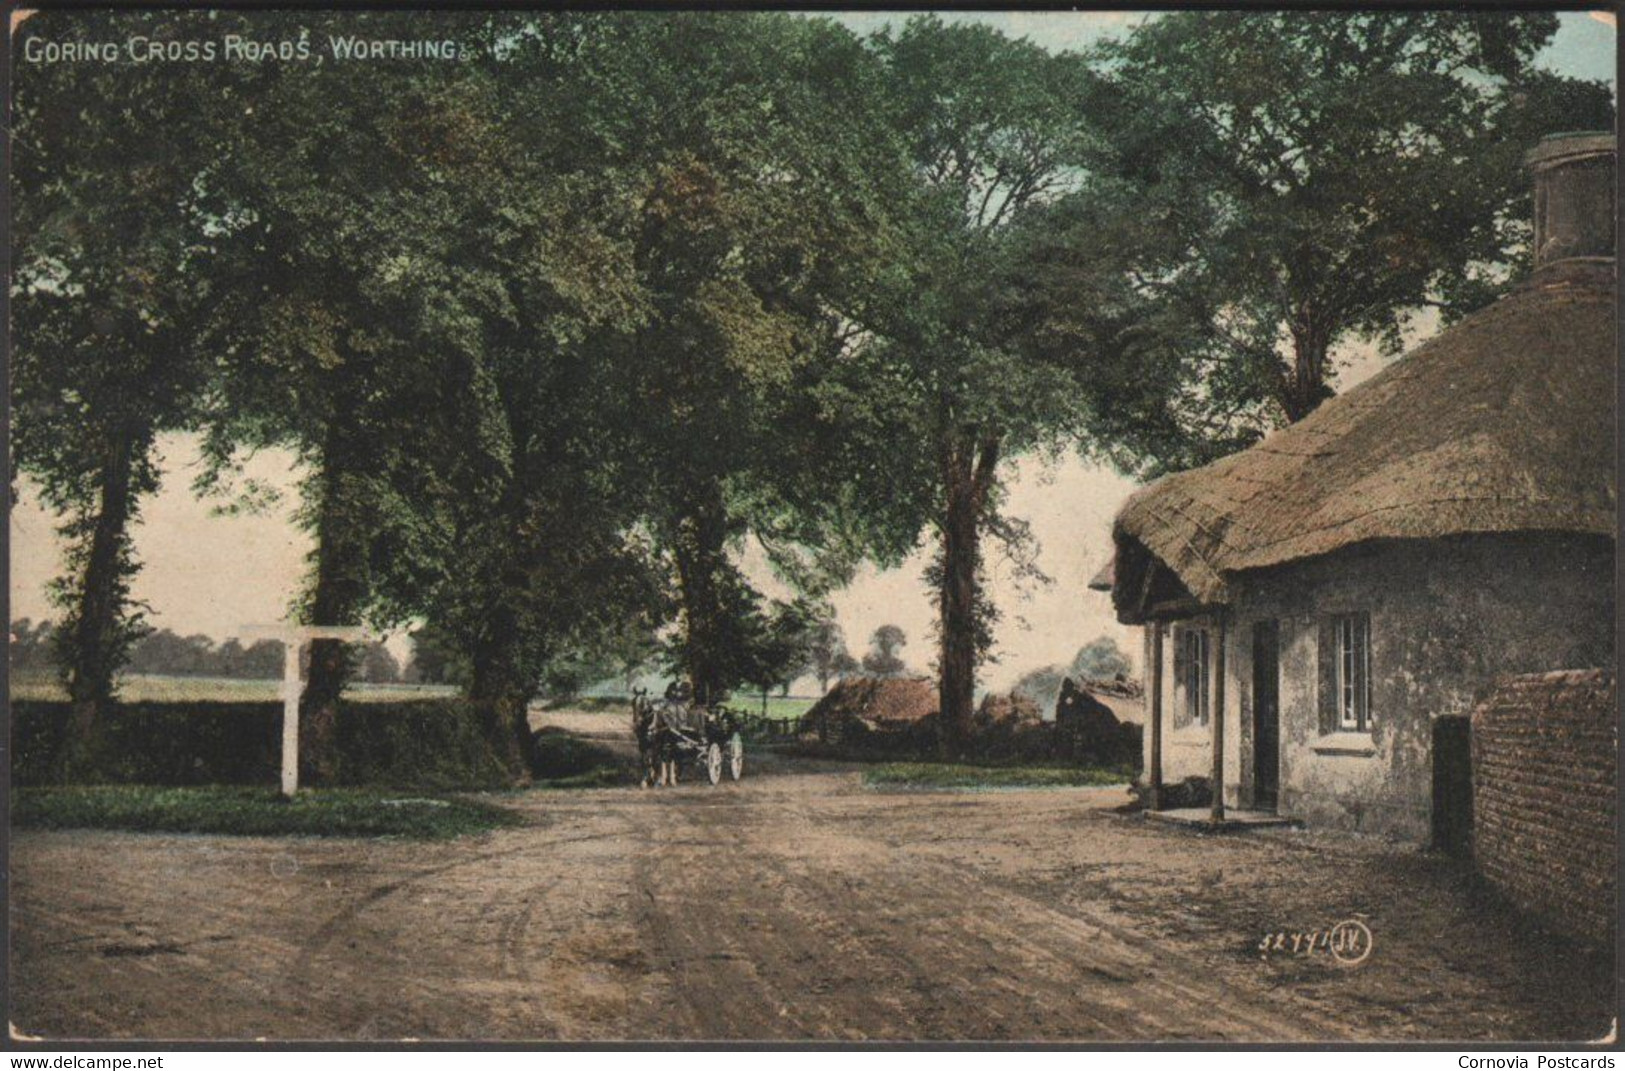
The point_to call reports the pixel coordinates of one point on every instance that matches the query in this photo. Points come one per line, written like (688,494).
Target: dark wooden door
(1453,786)
(1266,714)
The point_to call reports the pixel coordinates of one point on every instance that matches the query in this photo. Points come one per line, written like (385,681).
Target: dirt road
(795,905)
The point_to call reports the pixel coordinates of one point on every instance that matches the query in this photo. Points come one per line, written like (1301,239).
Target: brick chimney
(1574,199)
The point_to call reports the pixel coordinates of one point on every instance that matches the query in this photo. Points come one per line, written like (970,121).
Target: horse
(659,728)
(645,730)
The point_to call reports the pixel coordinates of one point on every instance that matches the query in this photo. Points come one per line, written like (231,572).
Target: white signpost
(293,639)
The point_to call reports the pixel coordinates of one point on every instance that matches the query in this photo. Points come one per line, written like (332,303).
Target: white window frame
(1351,672)
(1198,681)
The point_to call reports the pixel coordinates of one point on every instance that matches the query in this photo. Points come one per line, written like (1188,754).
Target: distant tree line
(559,333)
(165,653)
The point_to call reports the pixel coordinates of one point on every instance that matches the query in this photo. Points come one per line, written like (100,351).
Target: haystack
(1014,708)
(870,704)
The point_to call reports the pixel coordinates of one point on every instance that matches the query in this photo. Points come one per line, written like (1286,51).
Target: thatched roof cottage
(1316,605)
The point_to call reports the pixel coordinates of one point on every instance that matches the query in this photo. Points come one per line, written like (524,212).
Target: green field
(789,706)
(938,775)
(326,812)
(152,689)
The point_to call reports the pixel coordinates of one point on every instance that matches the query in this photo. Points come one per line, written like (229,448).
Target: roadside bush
(424,744)
(156,743)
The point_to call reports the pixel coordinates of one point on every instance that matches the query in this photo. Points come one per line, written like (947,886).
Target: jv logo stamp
(1349,943)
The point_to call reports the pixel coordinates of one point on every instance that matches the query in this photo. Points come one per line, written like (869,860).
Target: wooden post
(293,638)
(290,715)
(1217,715)
(1155,773)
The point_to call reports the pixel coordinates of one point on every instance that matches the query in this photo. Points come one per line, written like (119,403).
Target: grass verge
(932,775)
(329,812)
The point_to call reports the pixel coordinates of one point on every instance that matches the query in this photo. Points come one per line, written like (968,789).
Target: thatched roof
(879,702)
(1503,423)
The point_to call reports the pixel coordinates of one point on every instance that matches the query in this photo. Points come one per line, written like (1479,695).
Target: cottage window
(1197,680)
(1351,672)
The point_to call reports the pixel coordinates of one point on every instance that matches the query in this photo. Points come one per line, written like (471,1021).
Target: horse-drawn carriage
(676,730)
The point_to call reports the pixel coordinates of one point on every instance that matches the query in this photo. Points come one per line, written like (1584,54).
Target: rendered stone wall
(1448,618)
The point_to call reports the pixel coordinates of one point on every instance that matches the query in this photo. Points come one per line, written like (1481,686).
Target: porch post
(1155,773)
(1218,722)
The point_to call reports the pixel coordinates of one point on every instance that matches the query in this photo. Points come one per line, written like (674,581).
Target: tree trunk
(967,474)
(96,639)
(701,554)
(1304,387)
(335,600)
(496,686)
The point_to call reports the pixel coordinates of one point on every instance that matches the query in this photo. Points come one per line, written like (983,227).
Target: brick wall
(1544,771)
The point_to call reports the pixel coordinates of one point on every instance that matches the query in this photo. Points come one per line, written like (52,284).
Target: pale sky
(214,574)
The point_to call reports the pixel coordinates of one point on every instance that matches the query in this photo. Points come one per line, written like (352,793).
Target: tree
(826,648)
(164,653)
(779,649)
(991,130)
(30,648)
(1100,659)
(1285,181)
(534,564)
(107,289)
(626,655)
(261,660)
(435,659)
(763,211)
(883,659)
(378,665)
(228,659)
(337,219)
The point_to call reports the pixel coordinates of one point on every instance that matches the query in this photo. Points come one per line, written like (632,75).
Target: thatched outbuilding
(857,706)
(1316,603)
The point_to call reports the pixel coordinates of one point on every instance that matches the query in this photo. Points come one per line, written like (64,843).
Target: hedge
(422,744)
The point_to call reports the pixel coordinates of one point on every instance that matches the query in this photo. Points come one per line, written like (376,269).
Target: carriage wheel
(736,756)
(713,763)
